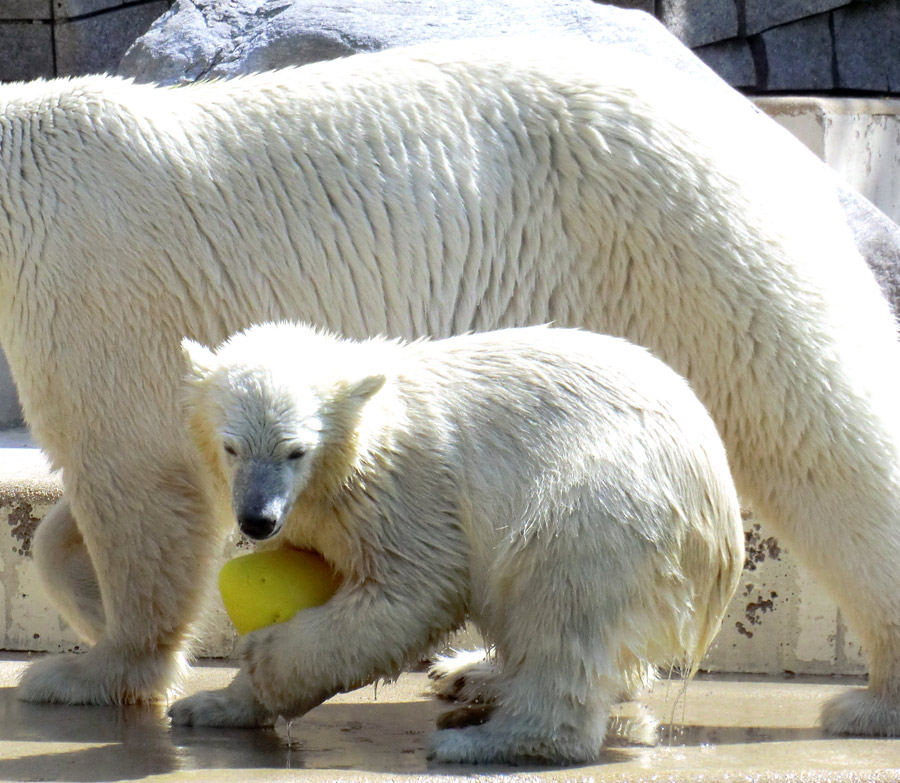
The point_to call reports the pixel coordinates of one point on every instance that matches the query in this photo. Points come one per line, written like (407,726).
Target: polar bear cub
(563,490)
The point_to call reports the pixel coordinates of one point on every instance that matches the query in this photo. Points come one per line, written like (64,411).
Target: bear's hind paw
(860,712)
(466,676)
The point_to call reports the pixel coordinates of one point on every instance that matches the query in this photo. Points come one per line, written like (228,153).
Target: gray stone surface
(811,71)
(95,44)
(25,9)
(206,38)
(27,51)
(878,240)
(760,15)
(731,60)
(867,45)
(698,22)
(648,6)
(68,9)
(10,411)
(854,47)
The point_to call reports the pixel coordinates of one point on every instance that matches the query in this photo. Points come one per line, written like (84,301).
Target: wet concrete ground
(727,729)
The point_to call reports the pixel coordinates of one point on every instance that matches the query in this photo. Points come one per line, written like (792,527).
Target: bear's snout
(261,497)
(258,526)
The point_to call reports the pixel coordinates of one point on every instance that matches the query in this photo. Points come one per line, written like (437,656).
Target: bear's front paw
(219,708)
(862,713)
(61,679)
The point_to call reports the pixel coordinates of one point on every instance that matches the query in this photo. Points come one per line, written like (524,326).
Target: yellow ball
(263,588)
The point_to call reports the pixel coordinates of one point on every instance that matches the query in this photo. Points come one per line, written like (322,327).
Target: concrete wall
(780,620)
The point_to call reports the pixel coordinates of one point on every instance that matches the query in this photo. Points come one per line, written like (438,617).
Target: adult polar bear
(434,190)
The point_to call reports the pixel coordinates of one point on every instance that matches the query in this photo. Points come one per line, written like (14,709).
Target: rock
(856,47)
(95,42)
(207,38)
(696,24)
(796,45)
(878,240)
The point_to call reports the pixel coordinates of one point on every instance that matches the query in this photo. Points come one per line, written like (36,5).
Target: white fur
(431,191)
(566,491)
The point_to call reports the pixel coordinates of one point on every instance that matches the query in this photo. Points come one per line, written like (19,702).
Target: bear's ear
(364,389)
(198,359)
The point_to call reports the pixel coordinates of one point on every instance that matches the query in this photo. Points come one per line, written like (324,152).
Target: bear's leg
(557,609)
(540,716)
(67,573)
(805,398)
(847,534)
(152,563)
(362,633)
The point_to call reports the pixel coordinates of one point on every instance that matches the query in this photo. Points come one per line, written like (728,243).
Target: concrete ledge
(28,490)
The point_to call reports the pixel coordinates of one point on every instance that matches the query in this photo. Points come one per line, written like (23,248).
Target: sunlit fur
(457,186)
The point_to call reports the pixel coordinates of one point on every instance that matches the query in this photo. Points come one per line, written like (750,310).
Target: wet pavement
(721,729)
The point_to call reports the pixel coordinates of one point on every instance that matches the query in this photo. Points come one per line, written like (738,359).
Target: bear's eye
(296,453)
(230,450)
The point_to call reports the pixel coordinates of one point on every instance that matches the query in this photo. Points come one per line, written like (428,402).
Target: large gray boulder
(209,38)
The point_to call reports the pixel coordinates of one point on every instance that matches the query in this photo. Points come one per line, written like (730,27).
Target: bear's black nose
(257,526)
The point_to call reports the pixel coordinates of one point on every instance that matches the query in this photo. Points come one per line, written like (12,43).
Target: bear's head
(274,411)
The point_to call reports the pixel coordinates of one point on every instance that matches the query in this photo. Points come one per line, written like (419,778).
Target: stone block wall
(796,46)
(46,38)
(790,46)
